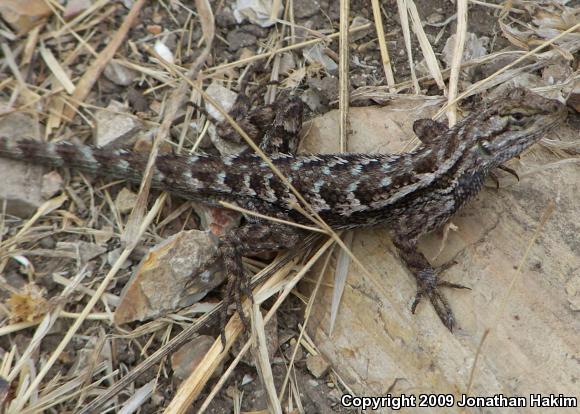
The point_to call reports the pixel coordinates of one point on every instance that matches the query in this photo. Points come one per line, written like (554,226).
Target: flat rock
(306,8)
(119,74)
(167,277)
(114,125)
(52,184)
(238,39)
(317,365)
(186,359)
(535,329)
(21,183)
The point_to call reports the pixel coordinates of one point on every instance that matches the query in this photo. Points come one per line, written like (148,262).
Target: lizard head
(509,125)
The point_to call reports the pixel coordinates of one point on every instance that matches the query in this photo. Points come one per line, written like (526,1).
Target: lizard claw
(440,305)
(509,171)
(444,267)
(431,289)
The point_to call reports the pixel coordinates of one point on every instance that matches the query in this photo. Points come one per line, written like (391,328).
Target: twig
(92,74)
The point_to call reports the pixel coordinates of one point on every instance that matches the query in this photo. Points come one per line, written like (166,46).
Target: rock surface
(21,183)
(533,343)
(167,277)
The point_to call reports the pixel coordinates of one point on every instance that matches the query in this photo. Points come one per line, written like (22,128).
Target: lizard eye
(518,118)
(484,147)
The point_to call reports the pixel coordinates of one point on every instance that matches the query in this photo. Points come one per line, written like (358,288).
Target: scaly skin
(413,193)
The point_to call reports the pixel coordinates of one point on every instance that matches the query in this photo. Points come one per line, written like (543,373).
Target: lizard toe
(432,290)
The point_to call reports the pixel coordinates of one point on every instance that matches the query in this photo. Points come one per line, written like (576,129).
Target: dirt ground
(103,351)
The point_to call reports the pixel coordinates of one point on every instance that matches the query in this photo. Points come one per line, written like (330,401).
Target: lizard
(412,193)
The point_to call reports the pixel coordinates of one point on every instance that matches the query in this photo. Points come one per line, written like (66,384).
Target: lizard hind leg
(236,278)
(251,238)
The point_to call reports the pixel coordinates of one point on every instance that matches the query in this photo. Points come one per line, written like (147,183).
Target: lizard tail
(117,163)
(191,177)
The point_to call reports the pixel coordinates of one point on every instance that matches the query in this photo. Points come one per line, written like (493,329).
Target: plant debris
(96,276)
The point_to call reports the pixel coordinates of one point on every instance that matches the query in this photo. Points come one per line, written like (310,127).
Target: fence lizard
(413,193)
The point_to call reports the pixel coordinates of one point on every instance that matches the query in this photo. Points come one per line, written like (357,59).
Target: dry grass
(65,101)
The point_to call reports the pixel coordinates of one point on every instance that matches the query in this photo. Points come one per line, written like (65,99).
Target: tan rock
(168,279)
(317,365)
(534,330)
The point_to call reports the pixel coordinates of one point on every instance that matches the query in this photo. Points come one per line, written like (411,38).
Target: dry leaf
(31,8)
(27,305)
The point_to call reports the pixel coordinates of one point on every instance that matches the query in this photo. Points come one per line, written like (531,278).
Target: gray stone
(114,125)
(238,39)
(170,277)
(21,183)
(187,358)
(52,184)
(357,22)
(119,74)
(305,8)
(317,365)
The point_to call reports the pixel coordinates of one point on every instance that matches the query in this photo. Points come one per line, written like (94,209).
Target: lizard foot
(430,287)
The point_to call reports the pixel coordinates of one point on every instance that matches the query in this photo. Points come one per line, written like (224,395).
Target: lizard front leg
(251,238)
(283,134)
(428,283)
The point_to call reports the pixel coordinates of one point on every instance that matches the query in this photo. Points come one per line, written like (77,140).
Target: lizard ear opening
(483,147)
(429,131)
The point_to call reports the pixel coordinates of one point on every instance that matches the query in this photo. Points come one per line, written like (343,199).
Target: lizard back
(347,190)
